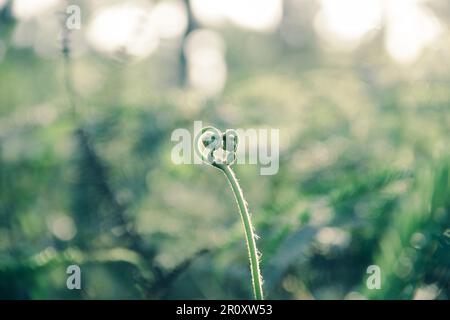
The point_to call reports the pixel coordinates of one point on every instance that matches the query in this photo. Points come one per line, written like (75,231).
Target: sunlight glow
(426,292)
(258,15)
(328,236)
(63,227)
(347,21)
(126,27)
(27,9)
(207,69)
(169,18)
(209,12)
(410,29)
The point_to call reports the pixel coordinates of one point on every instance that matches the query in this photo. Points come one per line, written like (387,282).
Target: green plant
(219,150)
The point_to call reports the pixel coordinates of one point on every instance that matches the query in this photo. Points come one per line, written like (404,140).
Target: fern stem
(249,230)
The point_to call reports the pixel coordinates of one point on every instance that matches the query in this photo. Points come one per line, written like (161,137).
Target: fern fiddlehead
(219,150)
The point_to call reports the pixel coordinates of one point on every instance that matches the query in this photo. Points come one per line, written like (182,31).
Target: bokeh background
(358,89)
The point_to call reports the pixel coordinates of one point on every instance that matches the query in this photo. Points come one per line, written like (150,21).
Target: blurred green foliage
(86,175)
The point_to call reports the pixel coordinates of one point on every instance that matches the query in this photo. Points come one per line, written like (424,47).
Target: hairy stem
(248,228)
